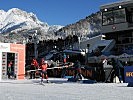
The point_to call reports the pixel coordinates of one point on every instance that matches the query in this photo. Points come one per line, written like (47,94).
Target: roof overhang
(117,4)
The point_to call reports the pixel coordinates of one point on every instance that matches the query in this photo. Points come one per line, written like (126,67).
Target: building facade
(117,24)
(14,53)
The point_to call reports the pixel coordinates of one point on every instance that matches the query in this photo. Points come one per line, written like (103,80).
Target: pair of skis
(43,83)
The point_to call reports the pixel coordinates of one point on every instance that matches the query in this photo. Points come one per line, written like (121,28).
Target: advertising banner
(128,73)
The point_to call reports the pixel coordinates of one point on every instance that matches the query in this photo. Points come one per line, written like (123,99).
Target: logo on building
(129,74)
(3,47)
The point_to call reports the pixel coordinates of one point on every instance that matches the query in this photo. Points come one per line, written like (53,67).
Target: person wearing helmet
(43,66)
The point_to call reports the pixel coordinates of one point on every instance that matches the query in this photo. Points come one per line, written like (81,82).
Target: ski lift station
(16,54)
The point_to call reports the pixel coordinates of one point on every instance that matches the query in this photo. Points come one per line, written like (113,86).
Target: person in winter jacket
(34,66)
(77,66)
(9,69)
(44,66)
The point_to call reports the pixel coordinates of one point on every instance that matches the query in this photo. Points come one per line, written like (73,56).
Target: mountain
(17,25)
(18,21)
(84,28)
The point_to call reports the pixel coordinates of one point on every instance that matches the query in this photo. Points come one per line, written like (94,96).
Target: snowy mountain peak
(2,11)
(15,10)
(16,19)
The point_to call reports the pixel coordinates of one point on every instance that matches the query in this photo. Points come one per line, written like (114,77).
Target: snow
(60,89)
(15,17)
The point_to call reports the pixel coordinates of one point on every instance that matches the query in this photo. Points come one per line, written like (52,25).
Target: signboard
(86,72)
(128,73)
(4,47)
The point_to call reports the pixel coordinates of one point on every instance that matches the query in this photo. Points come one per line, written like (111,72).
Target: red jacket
(10,64)
(44,67)
(34,62)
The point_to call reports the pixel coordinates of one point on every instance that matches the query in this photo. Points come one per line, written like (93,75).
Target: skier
(43,66)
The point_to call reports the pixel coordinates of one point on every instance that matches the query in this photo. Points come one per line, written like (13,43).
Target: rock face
(88,27)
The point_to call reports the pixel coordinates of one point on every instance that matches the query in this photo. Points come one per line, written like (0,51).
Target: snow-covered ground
(60,89)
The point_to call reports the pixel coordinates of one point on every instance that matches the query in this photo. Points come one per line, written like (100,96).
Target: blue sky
(56,12)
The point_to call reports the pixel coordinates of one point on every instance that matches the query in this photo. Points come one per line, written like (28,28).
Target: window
(107,18)
(131,17)
(119,16)
(116,16)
